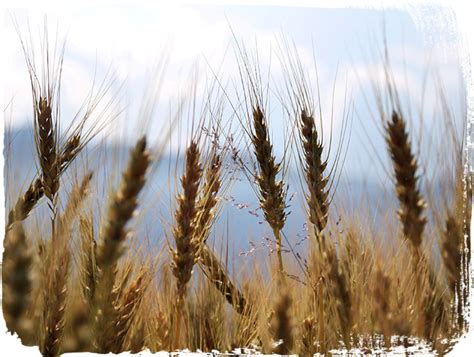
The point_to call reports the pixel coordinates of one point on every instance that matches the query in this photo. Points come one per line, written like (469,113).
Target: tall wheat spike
(217,274)
(35,191)
(214,269)
(55,295)
(405,166)
(313,168)
(16,278)
(47,147)
(110,248)
(272,191)
(208,199)
(184,256)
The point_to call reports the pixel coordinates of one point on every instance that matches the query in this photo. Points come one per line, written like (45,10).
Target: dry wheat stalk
(35,191)
(208,199)
(381,293)
(281,326)
(272,192)
(214,269)
(308,337)
(451,245)
(127,309)
(16,280)
(54,301)
(218,275)
(88,264)
(47,147)
(405,166)
(74,203)
(184,256)
(313,168)
(123,204)
(340,291)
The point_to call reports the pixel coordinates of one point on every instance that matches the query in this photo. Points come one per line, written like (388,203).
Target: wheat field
(79,277)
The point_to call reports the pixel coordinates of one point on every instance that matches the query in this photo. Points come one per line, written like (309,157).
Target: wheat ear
(46,140)
(208,200)
(16,286)
(313,168)
(127,309)
(451,244)
(88,262)
(272,192)
(382,312)
(54,300)
(217,274)
(184,256)
(214,269)
(35,191)
(405,167)
(340,291)
(123,204)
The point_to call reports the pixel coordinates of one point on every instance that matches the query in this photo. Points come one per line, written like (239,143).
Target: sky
(161,54)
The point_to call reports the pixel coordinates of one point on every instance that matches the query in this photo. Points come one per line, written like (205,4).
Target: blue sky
(130,40)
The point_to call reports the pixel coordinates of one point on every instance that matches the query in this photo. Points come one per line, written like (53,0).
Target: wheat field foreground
(233,222)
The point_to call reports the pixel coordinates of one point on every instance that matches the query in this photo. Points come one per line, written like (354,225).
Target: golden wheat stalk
(217,274)
(405,167)
(16,279)
(382,311)
(35,191)
(127,309)
(282,325)
(88,262)
(272,192)
(121,208)
(340,292)
(46,141)
(313,168)
(208,199)
(54,301)
(184,256)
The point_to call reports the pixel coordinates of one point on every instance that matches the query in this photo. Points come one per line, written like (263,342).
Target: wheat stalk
(208,199)
(123,204)
(127,309)
(16,279)
(54,301)
(405,166)
(35,191)
(340,291)
(313,168)
(272,193)
(282,327)
(184,256)
(219,277)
